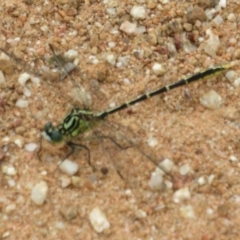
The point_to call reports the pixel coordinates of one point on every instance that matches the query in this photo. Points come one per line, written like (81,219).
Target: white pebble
(112,44)
(5,234)
(129,28)
(232,17)
(111,58)
(184,169)
(138,12)
(31,147)
(166,164)
(212,44)
(98,220)
(36,80)
(9,170)
(152,142)
(158,69)
(140,213)
(222,3)
(187,212)
(44,28)
(69,167)
(233,158)
(156,182)
(27,92)
(21,103)
(19,142)
(23,78)
(39,193)
(218,20)
(2,78)
(201,181)
(236,82)
(211,178)
(71,54)
(181,195)
(10,208)
(230,75)
(11,183)
(211,100)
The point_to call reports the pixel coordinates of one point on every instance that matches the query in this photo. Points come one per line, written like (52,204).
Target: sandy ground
(173,126)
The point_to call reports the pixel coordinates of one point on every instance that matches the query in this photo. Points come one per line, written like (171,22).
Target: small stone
(98,220)
(222,3)
(65,181)
(39,193)
(181,195)
(230,75)
(158,69)
(211,100)
(138,12)
(77,181)
(233,159)
(140,213)
(23,78)
(156,182)
(152,142)
(129,28)
(188,27)
(69,212)
(184,169)
(69,167)
(31,147)
(9,170)
(10,208)
(187,212)
(196,13)
(71,54)
(166,164)
(201,181)
(111,58)
(21,103)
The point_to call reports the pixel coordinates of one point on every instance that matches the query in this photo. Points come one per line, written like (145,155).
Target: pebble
(10,208)
(138,12)
(230,75)
(156,182)
(236,82)
(39,193)
(233,158)
(111,58)
(152,142)
(181,195)
(184,169)
(187,212)
(201,181)
(30,147)
(196,13)
(158,69)
(129,28)
(23,78)
(211,100)
(166,164)
(71,54)
(98,220)
(69,212)
(9,170)
(222,3)
(21,103)
(69,167)
(212,45)
(76,181)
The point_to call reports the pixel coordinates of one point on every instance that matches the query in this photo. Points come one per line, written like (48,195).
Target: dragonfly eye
(53,134)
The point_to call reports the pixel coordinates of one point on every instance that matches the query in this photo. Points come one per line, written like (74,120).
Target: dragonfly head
(51,133)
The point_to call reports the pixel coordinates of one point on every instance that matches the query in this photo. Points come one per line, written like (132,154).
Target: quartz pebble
(21,103)
(156,182)
(98,220)
(39,193)
(187,212)
(138,12)
(69,167)
(158,69)
(181,195)
(2,78)
(129,28)
(211,100)
(31,147)
(9,170)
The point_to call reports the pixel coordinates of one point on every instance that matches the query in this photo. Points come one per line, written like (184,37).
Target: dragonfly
(81,120)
